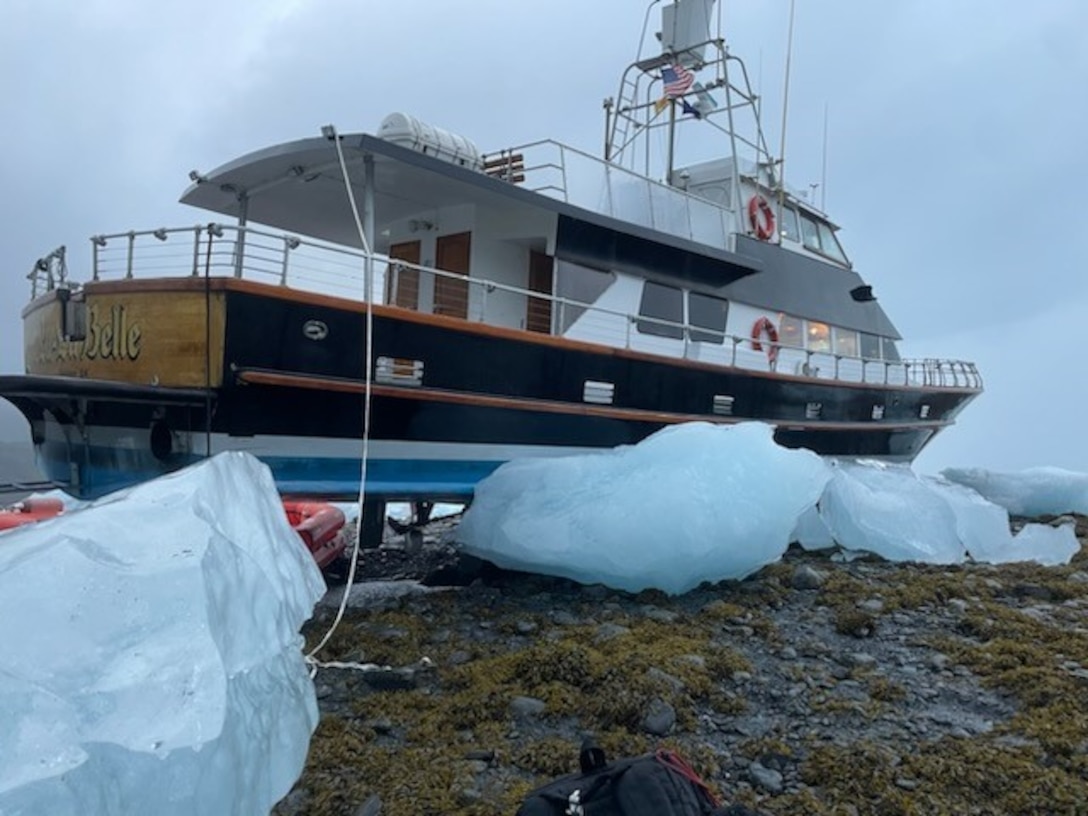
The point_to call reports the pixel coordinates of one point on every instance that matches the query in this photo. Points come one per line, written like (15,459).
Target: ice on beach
(699,502)
(892,512)
(150,658)
(1031,492)
(692,503)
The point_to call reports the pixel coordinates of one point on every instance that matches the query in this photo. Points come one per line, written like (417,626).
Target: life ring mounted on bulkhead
(761,217)
(762,327)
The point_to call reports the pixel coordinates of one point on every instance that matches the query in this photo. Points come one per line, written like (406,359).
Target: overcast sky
(956,157)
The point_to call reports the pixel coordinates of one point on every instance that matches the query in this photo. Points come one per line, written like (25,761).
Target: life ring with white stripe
(761,217)
(762,327)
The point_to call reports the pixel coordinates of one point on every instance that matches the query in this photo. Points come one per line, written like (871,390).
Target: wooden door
(402,282)
(451,294)
(538,311)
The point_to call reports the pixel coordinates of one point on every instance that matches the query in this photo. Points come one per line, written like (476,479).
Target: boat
(457,309)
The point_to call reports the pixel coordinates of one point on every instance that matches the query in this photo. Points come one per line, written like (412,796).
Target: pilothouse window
(789,227)
(664,304)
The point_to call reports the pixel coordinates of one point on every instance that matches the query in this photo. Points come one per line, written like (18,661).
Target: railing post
(627,332)
(94,257)
(837,358)
(196,250)
(131,244)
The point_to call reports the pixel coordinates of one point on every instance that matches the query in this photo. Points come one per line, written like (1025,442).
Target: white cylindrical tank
(408,131)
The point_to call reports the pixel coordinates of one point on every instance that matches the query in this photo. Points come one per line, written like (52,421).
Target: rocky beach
(819,685)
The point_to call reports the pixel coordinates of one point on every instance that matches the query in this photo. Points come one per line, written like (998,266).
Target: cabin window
(870,346)
(706,312)
(791,331)
(665,305)
(890,351)
(580,284)
(846,342)
(819,336)
(789,228)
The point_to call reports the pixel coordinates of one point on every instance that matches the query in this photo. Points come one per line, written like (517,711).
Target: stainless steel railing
(285,260)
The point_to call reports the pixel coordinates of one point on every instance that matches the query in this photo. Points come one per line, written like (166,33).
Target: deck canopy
(298,187)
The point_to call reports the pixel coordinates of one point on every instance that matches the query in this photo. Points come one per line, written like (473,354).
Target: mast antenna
(823,171)
(785,109)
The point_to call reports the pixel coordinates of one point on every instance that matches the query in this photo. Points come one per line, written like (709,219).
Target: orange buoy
(29,511)
(318,524)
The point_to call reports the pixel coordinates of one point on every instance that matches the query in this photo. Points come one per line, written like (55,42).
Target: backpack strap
(591,758)
(675,762)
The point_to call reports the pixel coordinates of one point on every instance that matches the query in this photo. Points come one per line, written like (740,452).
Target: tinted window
(890,351)
(707,312)
(662,303)
(819,337)
(791,331)
(870,346)
(846,342)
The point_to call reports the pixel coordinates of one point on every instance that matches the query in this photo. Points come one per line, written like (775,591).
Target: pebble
(527,707)
(806,577)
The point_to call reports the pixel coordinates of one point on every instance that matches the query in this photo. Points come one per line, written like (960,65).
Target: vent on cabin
(923,412)
(599,393)
(398,371)
(814,410)
(723,405)
(878,412)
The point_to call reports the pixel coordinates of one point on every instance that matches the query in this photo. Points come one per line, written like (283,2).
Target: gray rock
(660,615)
(660,718)
(806,577)
(371,807)
(675,683)
(527,707)
(957,605)
(525,627)
(766,779)
(459,657)
(563,618)
(607,631)
(872,605)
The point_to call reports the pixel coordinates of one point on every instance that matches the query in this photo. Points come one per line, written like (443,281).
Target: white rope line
(369,284)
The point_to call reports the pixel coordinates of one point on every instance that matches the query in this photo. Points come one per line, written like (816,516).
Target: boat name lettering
(112,336)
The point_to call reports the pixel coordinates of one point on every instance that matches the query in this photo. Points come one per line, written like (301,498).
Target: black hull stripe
(302,381)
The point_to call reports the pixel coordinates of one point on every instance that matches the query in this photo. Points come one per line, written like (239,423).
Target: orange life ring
(761,327)
(761,217)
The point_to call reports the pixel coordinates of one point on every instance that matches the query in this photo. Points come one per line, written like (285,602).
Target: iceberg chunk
(1031,492)
(150,659)
(691,503)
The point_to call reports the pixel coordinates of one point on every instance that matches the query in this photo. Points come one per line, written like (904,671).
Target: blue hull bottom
(109,469)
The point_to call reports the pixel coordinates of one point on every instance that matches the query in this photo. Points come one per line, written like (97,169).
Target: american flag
(678,80)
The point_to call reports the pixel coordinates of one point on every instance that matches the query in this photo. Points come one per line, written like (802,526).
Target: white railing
(586,181)
(217,250)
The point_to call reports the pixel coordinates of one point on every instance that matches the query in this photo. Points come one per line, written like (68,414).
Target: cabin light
(196,177)
(160,233)
(296,170)
(328,131)
(216,230)
(291,243)
(98,240)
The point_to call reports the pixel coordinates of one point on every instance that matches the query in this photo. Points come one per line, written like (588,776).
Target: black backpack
(658,784)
